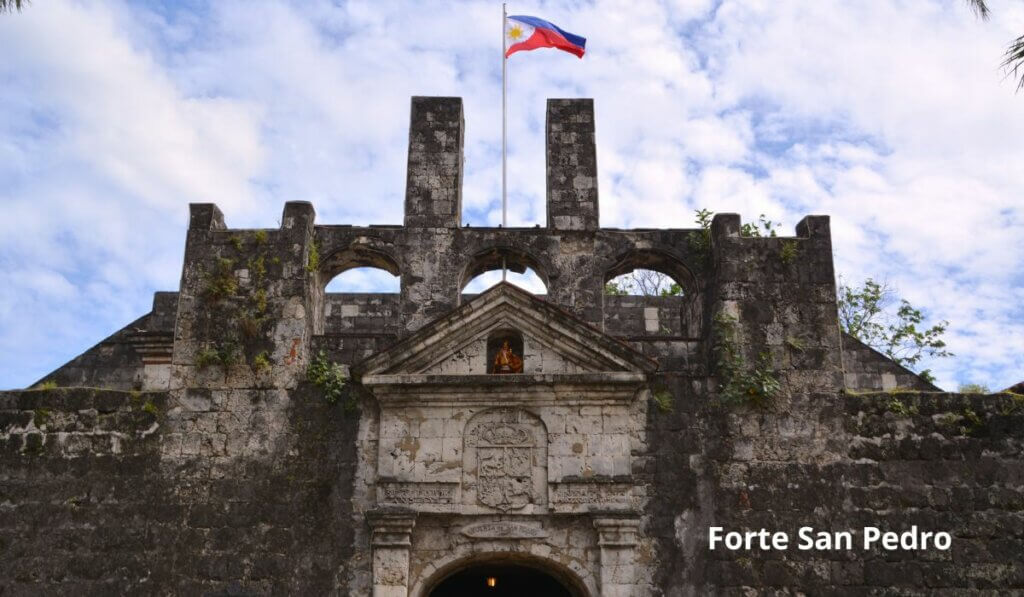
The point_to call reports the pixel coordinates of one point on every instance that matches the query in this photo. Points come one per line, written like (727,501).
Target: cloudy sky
(891,116)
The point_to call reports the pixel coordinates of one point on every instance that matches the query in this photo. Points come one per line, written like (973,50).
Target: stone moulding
(504,529)
(547,389)
(505,305)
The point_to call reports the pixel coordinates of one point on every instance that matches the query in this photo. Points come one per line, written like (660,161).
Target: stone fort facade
(575,443)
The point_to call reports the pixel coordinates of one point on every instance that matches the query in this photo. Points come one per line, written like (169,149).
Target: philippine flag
(529,33)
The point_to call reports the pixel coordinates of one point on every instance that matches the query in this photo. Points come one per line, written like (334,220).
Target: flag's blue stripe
(574,39)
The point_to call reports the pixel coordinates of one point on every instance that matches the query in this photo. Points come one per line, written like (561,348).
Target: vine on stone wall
(236,313)
(330,378)
(663,398)
(314,257)
(739,382)
(700,241)
(789,251)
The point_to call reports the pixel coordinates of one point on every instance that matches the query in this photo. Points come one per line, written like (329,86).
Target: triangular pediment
(554,342)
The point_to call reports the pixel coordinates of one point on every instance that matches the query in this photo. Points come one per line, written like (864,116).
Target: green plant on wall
(663,398)
(865,314)
(740,383)
(700,240)
(41,416)
(897,406)
(222,355)
(763,227)
(220,282)
(235,317)
(314,257)
(330,378)
(261,362)
(789,251)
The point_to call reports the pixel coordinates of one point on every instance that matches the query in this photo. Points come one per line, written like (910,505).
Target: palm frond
(979,7)
(10,5)
(1013,61)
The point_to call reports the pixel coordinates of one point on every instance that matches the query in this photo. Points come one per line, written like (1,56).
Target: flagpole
(504,130)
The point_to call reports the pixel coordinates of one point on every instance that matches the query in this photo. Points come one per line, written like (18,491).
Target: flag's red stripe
(545,38)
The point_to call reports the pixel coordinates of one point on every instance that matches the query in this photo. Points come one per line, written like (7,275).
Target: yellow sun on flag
(515,32)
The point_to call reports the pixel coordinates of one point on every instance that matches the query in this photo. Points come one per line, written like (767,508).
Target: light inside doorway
(516,580)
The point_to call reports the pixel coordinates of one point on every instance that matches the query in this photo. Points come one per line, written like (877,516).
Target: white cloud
(891,117)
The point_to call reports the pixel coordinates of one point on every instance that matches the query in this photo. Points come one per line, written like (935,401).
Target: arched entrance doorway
(502,580)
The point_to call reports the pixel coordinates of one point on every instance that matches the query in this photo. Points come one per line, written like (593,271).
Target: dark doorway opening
(509,580)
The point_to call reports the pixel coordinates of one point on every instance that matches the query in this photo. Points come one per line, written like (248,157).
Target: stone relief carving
(417,493)
(504,530)
(591,493)
(505,460)
(390,569)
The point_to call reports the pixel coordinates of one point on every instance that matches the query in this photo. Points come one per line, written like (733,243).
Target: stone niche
(467,464)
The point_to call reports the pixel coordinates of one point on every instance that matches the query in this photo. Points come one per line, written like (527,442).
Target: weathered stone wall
(644,316)
(943,462)
(367,313)
(238,478)
(80,491)
(247,302)
(102,494)
(105,492)
(866,370)
(132,358)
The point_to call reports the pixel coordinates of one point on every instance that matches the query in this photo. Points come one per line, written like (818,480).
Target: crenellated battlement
(588,435)
(258,296)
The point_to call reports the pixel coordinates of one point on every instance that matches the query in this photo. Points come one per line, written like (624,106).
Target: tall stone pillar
(433,187)
(616,536)
(433,209)
(572,206)
(571,165)
(391,539)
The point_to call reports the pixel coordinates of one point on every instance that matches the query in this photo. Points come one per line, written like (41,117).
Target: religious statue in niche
(506,361)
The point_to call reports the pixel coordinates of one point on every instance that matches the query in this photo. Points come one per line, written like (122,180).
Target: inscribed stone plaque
(503,530)
(417,493)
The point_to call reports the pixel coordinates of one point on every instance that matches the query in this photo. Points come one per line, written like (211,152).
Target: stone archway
(512,576)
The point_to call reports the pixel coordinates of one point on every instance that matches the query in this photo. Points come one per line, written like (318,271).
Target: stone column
(571,165)
(616,535)
(391,539)
(433,210)
(433,184)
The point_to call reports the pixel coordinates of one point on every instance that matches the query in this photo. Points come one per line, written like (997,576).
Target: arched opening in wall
(359,310)
(363,280)
(506,578)
(643,282)
(648,293)
(361,300)
(485,268)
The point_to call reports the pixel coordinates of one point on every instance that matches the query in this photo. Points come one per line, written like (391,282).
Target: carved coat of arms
(505,456)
